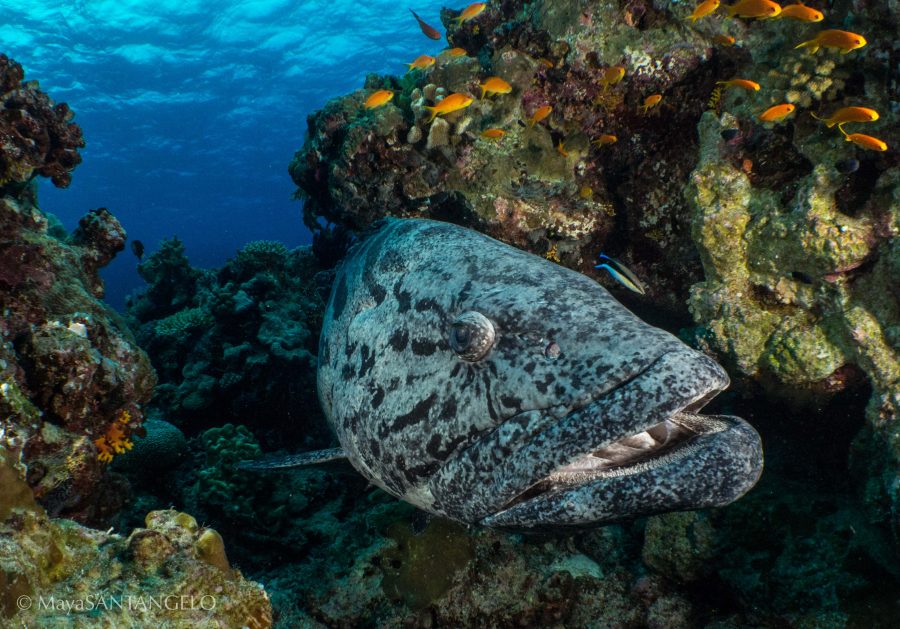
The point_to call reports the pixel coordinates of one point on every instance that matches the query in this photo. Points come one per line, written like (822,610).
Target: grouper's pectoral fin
(331,457)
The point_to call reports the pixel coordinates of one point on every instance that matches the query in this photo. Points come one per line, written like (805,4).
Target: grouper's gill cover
(468,378)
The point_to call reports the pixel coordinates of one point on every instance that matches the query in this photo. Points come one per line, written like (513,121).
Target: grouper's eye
(471,336)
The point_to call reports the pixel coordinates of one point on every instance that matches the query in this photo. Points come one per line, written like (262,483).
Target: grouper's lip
(661,456)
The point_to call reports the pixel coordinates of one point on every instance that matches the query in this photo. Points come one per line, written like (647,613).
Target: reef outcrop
(72,378)
(37,137)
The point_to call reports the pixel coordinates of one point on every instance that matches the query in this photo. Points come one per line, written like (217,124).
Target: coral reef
(70,370)
(172,572)
(36,136)
(236,345)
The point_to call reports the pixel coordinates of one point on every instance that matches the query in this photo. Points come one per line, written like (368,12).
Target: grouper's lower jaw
(686,462)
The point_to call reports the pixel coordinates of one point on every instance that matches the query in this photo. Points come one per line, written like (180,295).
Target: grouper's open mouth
(659,455)
(641,448)
(670,439)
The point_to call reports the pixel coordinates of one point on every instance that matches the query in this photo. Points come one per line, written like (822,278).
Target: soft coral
(115,440)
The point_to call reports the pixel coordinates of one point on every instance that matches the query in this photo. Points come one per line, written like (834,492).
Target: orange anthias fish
(612,75)
(605,140)
(754,8)
(453,102)
(470,12)
(539,115)
(421,62)
(777,113)
(849,114)
(456,52)
(493,134)
(750,86)
(561,149)
(431,33)
(844,41)
(377,99)
(724,40)
(707,7)
(801,12)
(866,141)
(495,85)
(651,101)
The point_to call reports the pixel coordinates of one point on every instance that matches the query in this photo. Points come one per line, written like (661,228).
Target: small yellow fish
(453,102)
(754,8)
(651,101)
(539,115)
(586,192)
(495,85)
(470,12)
(777,113)
(724,40)
(377,99)
(707,7)
(493,134)
(561,149)
(456,52)
(844,41)
(750,86)
(421,62)
(849,114)
(801,13)
(866,141)
(612,75)
(605,140)
(546,63)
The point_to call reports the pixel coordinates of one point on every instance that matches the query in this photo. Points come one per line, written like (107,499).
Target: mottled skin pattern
(570,370)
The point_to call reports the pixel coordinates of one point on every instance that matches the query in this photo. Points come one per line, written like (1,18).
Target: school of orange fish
(844,41)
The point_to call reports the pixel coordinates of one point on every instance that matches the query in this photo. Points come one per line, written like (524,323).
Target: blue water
(192,109)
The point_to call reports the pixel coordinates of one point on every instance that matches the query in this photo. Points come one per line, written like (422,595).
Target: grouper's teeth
(661,432)
(615,451)
(640,441)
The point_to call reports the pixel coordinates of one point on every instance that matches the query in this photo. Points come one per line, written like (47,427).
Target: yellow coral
(115,441)
(552,254)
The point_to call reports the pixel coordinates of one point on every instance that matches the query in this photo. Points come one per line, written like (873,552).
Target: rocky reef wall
(72,378)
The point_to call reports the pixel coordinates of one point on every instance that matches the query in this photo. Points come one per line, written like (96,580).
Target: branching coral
(116,440)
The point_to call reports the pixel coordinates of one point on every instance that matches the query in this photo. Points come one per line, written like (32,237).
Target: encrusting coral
(172,572)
